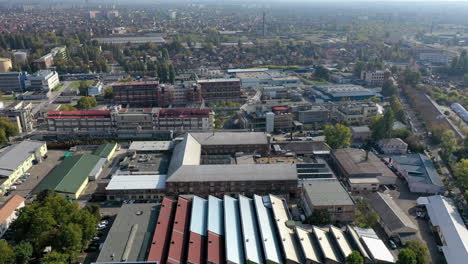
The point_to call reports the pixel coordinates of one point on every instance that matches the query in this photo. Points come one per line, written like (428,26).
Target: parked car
(392,244)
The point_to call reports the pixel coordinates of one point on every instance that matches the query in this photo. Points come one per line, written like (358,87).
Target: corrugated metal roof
(357,242)
(308,248)
(230,138)
(196,249)
(253,248)
(215,249)
(199,216)
(341,241)
(137,182)
(378,250)
(215,215)
(16,154)
(325,245)
(161,238)
(234,248)
(267,231)
(178,249)
(104,150)
(281,216)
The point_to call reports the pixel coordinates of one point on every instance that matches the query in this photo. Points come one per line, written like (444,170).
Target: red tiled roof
(196,248)
(161,238)
(178,248)
(215,248)
(10,206)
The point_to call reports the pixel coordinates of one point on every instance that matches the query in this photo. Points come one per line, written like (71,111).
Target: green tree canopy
(322,73)
(448,144)
(389,89)
(7,255)
(398,109)
(55,258)
(23,253)
(382,126)
(86,102)
(407,256)
(460,171)
(8,127)
(421,251)
(319,217)
(354,258)
(337,136)
(67,108)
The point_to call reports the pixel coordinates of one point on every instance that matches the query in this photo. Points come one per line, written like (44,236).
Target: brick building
(218,90)
(145,94)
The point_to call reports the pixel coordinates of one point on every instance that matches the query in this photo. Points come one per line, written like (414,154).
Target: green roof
(68,176)
(105,150)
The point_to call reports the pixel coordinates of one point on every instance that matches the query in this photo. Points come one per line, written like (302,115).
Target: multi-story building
(375,78)
(315,115)
(144,94)
(20,113)
(354,113)
(185,119)
(5,65)
(45,61)
(12,82)
(59,51)
(436,57)
(187,93)
(283,119)
(43,81)
(89,120)
(218,90)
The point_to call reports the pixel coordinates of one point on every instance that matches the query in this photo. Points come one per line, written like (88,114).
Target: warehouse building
(341,92)
(198,231)
(130,236)
(311,253)
(136,187)
(251,238)
(394,221)
(162,234)
(180,232)
(233,231)
(215,228)
(375,249)
(419,172)
(70,177)
(17,159)
(106,151)
(328,251)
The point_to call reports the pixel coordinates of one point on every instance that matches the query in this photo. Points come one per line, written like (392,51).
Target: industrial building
(70,177)
(5,64)
(130,235)
(42,81)
(106,151)
(460,110)
(375,78)
(12,82)
(162,235)
(215,228)
(362,171)
(341,92)
(17,159)
(219,90)
(251,235)
(393,146)
(142,94)
(267,230)
(180,232)
(419,173)
(233,231)
(131,187)
(198,231)
(448,227)
(9,212)
(328,194)
(394,221)
(371,247)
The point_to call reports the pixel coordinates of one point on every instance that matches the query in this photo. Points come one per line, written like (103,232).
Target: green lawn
(57,88)
(7,98)
(76,84)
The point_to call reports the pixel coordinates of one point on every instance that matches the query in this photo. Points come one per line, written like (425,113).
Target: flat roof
(230,138)
(13,156)
(325,192)
(137,182)
(219,80)
(253,248)
(104,150)
(132,39)
(357,242)
(391,214)
(308,248)
(161,238)
(215,215)
(199,216)
(247,70)
(325,244)
(444,214)
(377,249)
(267,230)
(130,234)
(151,146)
(286,234)
(234,247)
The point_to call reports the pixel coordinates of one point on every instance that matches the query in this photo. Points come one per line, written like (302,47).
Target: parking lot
(38,173)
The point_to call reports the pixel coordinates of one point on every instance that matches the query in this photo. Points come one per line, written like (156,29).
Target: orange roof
(10,206)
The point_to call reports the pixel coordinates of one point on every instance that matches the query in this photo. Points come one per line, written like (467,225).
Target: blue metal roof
(253,248)
(215,215)
(269,237)
(199,214)
(234,248)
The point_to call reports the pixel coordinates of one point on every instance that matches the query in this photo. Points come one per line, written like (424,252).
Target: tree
(401,133)
(172,74)
(407,256)
(322,73)
(11,130)
(83,88)
(411,77)
(382,127)
(108,92)
(94,210)
(389,89)
(358,68)
(55,258)
(337,136)
(69,239)
(465,79)
(23,253)
(67,108)
(319,217)
(7,255)
(448,144)
(86,102)
(354,258)
(367,220)
(398,109)
(460,171)
(421,251)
